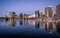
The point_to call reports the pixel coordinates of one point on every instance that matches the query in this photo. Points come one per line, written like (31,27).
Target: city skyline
(25,6)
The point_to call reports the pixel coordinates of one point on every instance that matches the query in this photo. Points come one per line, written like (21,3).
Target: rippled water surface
(30,27)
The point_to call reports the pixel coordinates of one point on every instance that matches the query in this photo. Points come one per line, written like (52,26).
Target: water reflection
(42,24)
(12,22)
(58,27)
(37,24)
(48,26)
(31,22)
(21,22)
(1,20)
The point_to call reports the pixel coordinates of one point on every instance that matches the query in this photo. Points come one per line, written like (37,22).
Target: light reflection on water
(30,26)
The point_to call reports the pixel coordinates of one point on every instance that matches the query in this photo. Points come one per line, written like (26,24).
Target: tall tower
(48,11)
(37,14)
(58,10)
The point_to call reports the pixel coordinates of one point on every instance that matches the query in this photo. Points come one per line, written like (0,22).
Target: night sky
(25,6)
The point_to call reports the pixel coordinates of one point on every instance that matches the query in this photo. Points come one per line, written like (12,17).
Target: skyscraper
(54,13)
(37,15)
(41,13)
(12,14)
(48,11)
(58,10)
(21,15)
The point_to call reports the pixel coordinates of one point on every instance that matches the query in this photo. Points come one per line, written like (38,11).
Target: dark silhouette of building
(25,16)
(37,14)
(21,15)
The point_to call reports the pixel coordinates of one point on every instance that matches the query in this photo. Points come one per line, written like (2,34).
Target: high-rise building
(37,14)
(42,14)
(48,11)
(25,16)
(21,15)
(12,14)
(54,14)
(58,10)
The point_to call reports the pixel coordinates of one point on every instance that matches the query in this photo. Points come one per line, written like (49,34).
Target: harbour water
(31,28)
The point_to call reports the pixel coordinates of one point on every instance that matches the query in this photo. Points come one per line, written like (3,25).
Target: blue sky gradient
(25,6)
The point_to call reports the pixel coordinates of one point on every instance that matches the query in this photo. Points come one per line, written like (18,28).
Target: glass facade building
(37,14)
